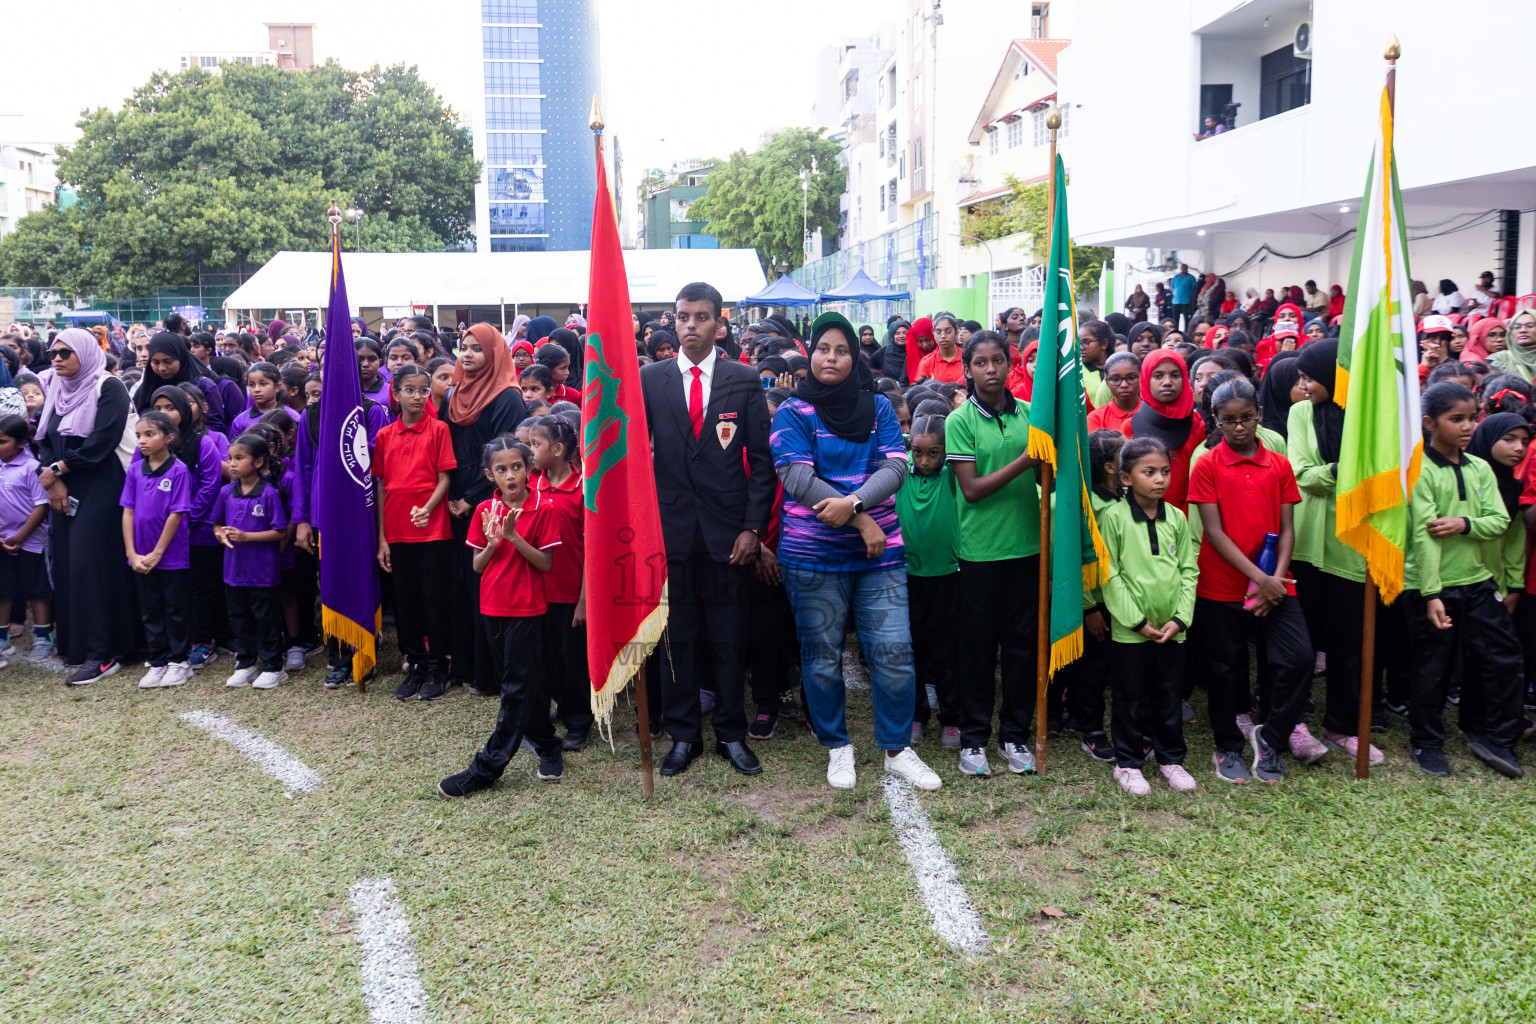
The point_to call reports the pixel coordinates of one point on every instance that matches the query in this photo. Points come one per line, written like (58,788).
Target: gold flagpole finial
(596,123)
(334,216)
(1394,50)
(1053,118)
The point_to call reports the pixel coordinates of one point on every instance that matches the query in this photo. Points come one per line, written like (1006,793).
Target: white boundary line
(391,981)
(270,757)
(955,921)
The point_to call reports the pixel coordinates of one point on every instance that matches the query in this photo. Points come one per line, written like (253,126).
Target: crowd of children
(1214,476)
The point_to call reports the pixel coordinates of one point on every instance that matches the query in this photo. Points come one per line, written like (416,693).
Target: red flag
(626,563)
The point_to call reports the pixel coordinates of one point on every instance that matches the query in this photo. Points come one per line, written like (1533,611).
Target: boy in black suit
(704,411)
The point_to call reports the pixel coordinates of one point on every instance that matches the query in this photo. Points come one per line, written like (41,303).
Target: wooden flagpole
(1043,627)
(1368,623)
(642,696)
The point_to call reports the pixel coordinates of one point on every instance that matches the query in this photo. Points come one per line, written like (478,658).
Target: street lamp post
(805,207)
(356,217)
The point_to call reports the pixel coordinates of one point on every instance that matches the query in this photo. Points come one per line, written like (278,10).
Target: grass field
(149,872)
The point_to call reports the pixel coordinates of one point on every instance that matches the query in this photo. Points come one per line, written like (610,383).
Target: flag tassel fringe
(1066,650)
(344,630)
(1383,559)
(1042,446)
(625,668)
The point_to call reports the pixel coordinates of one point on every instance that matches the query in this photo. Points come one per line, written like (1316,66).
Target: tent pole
(503,315)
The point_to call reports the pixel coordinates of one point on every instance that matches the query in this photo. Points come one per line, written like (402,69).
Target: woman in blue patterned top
(838,450)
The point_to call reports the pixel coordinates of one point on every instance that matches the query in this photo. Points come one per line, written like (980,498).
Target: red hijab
(1185,403)
(1177,426)
(922,327)
(1020,380)
(1336,301)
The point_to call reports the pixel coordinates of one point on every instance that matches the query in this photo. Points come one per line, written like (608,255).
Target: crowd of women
(884,488)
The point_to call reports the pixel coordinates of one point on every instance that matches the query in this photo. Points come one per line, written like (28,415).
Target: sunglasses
(60,353)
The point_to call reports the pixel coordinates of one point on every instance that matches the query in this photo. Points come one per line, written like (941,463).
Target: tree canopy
(754,200)
(223,169)
(1023,210)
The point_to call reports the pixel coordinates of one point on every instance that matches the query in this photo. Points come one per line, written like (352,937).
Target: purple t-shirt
(20,493)
(805,541)
(253,563)
(154,495)
(205,482)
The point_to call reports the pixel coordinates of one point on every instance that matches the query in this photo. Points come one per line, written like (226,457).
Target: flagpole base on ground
(1043,629)
(643,725)
(1367,673)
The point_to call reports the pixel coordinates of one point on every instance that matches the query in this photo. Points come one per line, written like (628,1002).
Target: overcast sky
(682,78)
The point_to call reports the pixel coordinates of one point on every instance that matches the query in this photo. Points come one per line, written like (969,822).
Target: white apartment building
(26,181)
(1274,201)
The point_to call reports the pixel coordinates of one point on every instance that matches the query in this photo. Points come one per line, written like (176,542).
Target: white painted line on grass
(950,909)
(855,675)
(391,982)
(270,757)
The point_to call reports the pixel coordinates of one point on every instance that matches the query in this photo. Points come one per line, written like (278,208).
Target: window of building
(890,88)
(992,142)
(524,150)
(506,112)
(511,43)
(509,12)
(1285,82)
(517,218)
(183,63)
(917,31)
(523,183)
(517,243)
(1039,21)
(1066,121)
(207,62)
(511,79)
(882,199)
(917,92)
(880,91)
(917,165)
(1023,71)
(850,85)
(245,60)
(1015,133)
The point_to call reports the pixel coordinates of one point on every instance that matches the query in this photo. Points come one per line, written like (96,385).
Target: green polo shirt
(1006,524)
(1098,500)
(1155,569)
(1467,489)
(1317,543)
(927,509)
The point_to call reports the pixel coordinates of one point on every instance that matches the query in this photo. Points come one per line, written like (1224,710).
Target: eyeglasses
(1240,422)
(416,392)
(60,353)
(1122,381)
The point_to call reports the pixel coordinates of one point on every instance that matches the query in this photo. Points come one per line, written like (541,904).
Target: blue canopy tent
(861,288)
(783,292)
(86,317)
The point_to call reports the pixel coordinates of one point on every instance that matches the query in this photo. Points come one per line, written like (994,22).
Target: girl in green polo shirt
(927,509)
(986,442)
(1151,600)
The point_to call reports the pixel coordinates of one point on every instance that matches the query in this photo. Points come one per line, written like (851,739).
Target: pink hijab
(75,398)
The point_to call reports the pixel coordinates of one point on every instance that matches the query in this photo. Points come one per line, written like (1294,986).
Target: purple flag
(342,496)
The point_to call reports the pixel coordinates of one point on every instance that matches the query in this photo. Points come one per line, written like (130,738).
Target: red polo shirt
(566,394)
(562,584)
(407,460)
(509,586)
(1248,492)
(945,371)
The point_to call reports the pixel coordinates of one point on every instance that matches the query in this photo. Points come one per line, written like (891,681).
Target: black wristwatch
(858,505)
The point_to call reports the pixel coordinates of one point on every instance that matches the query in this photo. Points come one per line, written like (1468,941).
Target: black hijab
(166,344)
(1488,433)
(1275,391)
(847,408)
(1320,361)
(191,438)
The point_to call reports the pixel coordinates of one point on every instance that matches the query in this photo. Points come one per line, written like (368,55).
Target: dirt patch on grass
(24,754)
(778,805)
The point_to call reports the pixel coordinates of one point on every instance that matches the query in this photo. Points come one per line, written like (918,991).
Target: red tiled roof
(1040,52)
(993,193)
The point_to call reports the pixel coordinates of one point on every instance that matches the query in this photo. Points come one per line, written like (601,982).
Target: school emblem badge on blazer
(725,429)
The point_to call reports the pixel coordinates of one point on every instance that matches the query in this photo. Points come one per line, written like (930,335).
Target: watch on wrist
(858,505)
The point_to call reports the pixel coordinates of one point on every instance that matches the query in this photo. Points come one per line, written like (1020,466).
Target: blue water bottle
(1266,562)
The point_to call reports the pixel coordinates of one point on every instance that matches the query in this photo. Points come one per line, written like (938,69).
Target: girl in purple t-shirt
(157,495)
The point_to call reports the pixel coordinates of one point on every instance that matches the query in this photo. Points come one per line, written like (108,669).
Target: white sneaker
(241,677)
(269,680)
(176,674)
(154,678)
(7,649)
(840,773)
(973,761)
(1132,781)
(1020,760)
(294,662)
(42,650)
(909,766)
(1179,780)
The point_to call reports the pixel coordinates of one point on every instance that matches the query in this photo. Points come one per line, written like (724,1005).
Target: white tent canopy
(300,280)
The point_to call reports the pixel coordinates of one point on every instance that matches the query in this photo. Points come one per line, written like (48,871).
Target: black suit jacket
(703,487)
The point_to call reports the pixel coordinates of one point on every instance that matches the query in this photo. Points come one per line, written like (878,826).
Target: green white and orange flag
(1058,436)
(1378,378)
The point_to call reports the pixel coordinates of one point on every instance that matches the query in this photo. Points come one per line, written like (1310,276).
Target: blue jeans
(878,598)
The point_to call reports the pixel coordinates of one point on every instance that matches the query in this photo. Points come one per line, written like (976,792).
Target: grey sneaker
(1266,759)
(973,761)
(1020,760)
(42,650)
(950,737)
(1229,766)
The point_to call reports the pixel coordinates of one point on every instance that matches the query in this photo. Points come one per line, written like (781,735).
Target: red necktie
(696,403)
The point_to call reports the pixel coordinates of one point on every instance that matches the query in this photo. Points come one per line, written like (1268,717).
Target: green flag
(1058,435)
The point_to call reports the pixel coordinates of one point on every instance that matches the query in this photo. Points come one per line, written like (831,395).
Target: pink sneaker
(1351,746)
(1132,781)
(1305,747)
(1179,780)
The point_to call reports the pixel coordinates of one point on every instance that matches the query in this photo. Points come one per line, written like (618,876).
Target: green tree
(222,169)
(754,200)
(1024,209)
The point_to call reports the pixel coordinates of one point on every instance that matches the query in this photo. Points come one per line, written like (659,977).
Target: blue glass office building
(541,72)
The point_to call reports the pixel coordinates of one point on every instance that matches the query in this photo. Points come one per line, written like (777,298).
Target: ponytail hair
(504,443)
(1138,448)
(929,423)
(560,432)
(256,441)
(1104,449)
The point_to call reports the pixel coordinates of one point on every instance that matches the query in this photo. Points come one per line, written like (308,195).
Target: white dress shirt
(686,366)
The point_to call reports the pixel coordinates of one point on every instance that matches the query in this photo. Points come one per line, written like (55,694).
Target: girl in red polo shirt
(943,364)
(558,484)
(1167,412)
(1242,492)
(412,462)
(512,534)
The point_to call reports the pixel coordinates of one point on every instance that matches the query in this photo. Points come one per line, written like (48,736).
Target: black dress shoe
(680,757)
(741,757)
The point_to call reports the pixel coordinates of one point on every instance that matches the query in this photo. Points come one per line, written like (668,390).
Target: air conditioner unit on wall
(1302,45)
